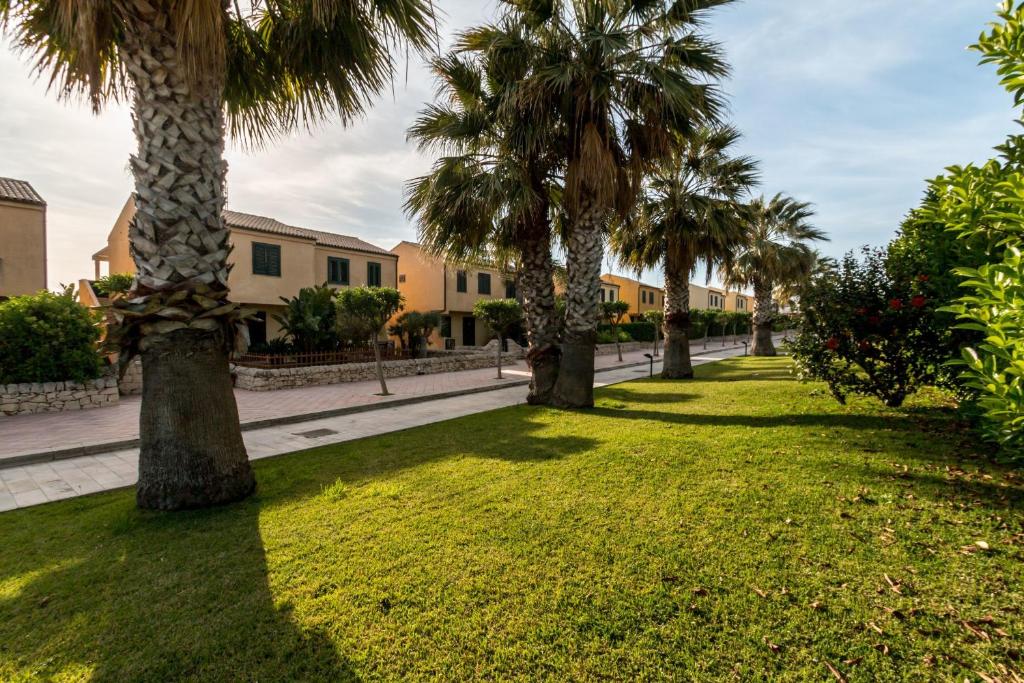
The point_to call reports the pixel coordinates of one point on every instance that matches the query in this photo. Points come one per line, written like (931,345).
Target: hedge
(47,337)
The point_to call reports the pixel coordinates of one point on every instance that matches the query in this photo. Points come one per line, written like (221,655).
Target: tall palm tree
(777,252)
(193,69)
(491,190)
(623,77)
(691,214)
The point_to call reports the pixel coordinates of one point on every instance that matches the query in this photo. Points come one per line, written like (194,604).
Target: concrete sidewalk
(117,466)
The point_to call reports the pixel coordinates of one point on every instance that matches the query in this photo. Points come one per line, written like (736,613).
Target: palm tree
(623,77)
(193,69)
(489,195)
(776,253)
(691,215)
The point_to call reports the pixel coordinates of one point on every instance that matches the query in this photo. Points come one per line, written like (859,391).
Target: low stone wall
(55,397)
(265,379)
(131,383)
(627,347)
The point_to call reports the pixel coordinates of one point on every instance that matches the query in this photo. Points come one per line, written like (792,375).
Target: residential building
(22,239)
(610,291)
(641,297)
(272,260)
(737,301)
(429,284)
(721,299)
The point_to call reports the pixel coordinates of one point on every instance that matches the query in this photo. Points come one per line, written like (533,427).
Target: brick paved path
(22,486)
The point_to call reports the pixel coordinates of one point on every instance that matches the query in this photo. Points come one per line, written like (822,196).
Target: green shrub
(115,283)
(866,332)
(47,337)
(641,331)
(605,335)
(310,319)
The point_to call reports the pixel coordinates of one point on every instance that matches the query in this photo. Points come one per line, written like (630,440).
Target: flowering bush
(867,332)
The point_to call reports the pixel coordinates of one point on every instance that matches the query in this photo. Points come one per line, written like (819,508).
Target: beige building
(22,239)
(429,284)
(273,260)
(641,297)
(714,298)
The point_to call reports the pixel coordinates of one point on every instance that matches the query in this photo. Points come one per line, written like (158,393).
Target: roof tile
(271,226)
(12,190)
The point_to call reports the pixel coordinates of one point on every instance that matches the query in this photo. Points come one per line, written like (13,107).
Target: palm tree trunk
(677,363)
(536,283)
(191,449)
(763,316)
(584,255)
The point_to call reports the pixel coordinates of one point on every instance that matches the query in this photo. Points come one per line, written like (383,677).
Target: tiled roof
(271,226)
(12,190)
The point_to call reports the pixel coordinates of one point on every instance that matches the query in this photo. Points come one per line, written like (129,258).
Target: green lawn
(738,527)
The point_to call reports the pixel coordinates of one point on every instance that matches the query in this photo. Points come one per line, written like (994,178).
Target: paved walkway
(26,485)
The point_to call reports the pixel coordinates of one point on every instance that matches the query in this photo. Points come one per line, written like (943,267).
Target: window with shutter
(266,259)
(337,270)
(373,274)
(461,284)
(483,283)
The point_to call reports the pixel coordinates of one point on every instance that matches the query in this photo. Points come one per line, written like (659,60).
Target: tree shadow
(512,434)
(123,595)
(653,397)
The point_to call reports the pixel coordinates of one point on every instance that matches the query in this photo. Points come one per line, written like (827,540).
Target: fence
(305,360)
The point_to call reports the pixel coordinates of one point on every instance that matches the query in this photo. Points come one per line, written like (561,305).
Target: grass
(741,526)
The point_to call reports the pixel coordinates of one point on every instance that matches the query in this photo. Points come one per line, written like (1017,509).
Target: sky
(848,105)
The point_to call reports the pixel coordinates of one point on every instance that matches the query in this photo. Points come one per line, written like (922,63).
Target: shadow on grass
(121,595)
(631,395)
(100,588)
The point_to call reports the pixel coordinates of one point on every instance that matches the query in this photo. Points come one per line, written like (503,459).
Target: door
(468,330)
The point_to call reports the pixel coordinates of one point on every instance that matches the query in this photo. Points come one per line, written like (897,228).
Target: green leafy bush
(115,283)
(605,335)
(641,332)
(866,332)
(47,337)
(310,319)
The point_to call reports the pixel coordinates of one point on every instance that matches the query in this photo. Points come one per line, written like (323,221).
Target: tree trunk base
(575,385)
(763,345)
(191,450)
(677,363)
(544,364)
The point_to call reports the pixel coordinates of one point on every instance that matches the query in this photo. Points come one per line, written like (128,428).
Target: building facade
(22,239)
(271,260)
(641,297)
(431,285)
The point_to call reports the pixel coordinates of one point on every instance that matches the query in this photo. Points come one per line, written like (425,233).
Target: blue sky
(849,105)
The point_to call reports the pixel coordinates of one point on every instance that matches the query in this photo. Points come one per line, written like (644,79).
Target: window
(446,326)
(337,270)
(611,295)
(266,259)
(483,283)
(603,295)
(460,281)
(401,278)
(510,289)
(373,274)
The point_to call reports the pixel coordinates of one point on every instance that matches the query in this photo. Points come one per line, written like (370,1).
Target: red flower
(874,320)
(896,304)
(832,344)
(865,345)
(918,301)
(922,278)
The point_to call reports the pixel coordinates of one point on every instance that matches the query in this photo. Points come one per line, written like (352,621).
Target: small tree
(114,283)
(310,319)
(414,329)
(367,310)
(613,313)
(48,337)
(656,318)
(501,315)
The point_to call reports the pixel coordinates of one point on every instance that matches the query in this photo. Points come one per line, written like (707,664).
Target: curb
(99,448)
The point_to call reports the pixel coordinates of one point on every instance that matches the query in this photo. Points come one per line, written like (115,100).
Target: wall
(55,397)
(22,248)
(357,266)
(260,379)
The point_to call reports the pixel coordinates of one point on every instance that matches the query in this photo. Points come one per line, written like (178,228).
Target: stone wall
(131,383)
(55,397)
(627,347)
(265,379)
